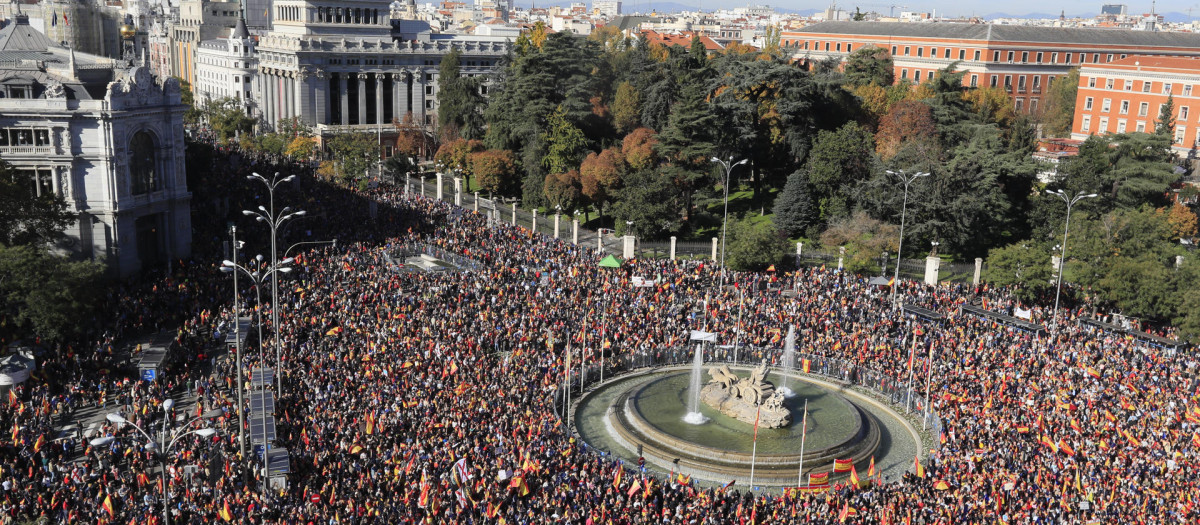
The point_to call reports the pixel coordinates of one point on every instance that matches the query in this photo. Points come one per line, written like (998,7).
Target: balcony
(27,150)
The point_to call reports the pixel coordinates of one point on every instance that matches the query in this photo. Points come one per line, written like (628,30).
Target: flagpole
(928,378)
(754,449)
(803,435)
(567,407)
(911,356)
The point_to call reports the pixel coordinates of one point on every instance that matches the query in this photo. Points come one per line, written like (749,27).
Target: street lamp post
(737,328)
(728,165)
(165,446)
(273,220)
(258,278)
(907,180)
(302,243)
(1062,256)
(237,335)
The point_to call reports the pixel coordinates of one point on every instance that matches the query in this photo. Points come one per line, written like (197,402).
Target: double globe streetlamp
(907,180)
(728,165)
(165,445)
(1062,256)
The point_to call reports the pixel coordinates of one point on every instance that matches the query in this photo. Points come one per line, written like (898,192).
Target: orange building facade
(1024,60)
(1128,95)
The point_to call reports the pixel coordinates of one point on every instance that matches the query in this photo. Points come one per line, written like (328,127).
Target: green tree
(563,190)
(565,143)
(869,65)
(227,118)
(456,155)
(46,296)
(460,103)
(627,108)
(1166,118)
(1021,266)
(398,165)
(794,212)
(25,217)
(1058,113)
(301,147)
(193,113)
(755,246)
(840,160)
(355,153)
(648,199)
(864,238)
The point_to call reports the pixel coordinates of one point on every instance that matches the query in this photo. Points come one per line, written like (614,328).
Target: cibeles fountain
(699,419)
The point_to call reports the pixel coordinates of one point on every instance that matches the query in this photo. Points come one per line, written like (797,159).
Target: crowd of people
(433,397)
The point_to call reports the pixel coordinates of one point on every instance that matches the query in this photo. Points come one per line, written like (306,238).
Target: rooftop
(1009,33)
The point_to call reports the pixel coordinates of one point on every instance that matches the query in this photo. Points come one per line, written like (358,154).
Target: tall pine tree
(794,212)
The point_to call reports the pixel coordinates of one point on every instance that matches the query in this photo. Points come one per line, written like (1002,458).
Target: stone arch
(143,162)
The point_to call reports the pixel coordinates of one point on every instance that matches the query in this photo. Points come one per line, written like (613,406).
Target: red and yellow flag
(854,477)
(225,514)
(370,423)
(843,465)
(920,469)
(108,506)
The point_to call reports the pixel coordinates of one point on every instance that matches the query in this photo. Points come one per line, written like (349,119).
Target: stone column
(419,98)
(575,231)
(397,109)
(533,227)
(407,178)
(978,270)
(344,96)
(599,241)
(362,98)
(799,249)
(458,191)
(514,214)
(422,185)
(714,249)
(627,246)
(476,202)
(841,257)
(379,98)
(556,216)
(267,100)
(303,104)
(673,239)
(438,191)
(932,264)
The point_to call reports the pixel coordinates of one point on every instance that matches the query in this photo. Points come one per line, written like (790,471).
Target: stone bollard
(533,225)
(599,241)
(458,191)
(841,257)
(438,192)
(407,181)
(514,214)
(422,186)
(672,247)
(476,202)
(714,249)
(799,249)
(978,270)
(556,216)
(575,231)
(932,264)
(627,251)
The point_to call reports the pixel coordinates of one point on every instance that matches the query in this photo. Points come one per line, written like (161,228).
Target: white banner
(1023,314)
(698,335)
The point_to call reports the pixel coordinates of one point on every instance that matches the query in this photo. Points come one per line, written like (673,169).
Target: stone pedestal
(556,219)
(932,265)
(599,241)
(438,192)
(672,247)
(575,231)
(476,202)
(714,249)
(407,181)
(978,270)
(841,257)
(422,185)
(627,247)
(514,214)
(458,187)
(533,224)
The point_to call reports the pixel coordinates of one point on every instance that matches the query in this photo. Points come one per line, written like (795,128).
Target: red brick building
(1128,94)
(1023,59)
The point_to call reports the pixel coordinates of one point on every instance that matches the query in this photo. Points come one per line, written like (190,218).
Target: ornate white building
(342,65)
(106,136)
(228,67)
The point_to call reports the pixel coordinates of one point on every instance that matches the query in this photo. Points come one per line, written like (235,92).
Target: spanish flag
(1065,448)
(355,448)
(871,472)
(843,465)
(370,423)
(891,281)
(1092,372)
(41,441)
(107,506)
(617,477)
(818,479)
(12,396)
(1048,443)
(225,514)
(771,268)
(920,469)
(805,365)
(854,477)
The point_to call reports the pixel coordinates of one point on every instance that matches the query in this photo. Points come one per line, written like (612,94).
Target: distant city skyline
(941,7)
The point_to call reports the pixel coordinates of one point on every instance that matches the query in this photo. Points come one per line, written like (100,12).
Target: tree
(1182,221)
(864,238)
(565,143)
(355,153)
(839,161)
(869,65)
(563,189)
(907,121)
(460,103)
(1058,113)
(1166,118)
(1022,266)
(411,138)
(398,165)
(638,149)
(301,147)
(456,155)
(227,118)
(193,114)
(648,199)
(754,246)
(600,176)
(627,108)
(25,217)
(794,210)
(46,296)
(496,170)
(992,104)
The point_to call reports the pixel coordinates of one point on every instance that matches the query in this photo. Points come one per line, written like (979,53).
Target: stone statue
(746,399)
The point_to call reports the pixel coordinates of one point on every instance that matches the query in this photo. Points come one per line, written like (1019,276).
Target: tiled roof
(1159,62)
(1009,33)
(20,36)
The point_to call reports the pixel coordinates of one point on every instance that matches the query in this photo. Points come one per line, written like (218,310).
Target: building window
(1108,83)
(995,80)
(917,76)
(1187,90)
(1068,57)
(1106,106)
(1024,56)
(839,46)
(903,74)
(1086,125)
(974,80)
(995,56)
(1166,89)
(1018,103)
(1091,82)
(1146,86)
(1010,56)
(1021,83)
(1128,85)
(1053,58)
(1143,109)
(961,54)
(1037,83)
(1007,81)
(1141,127)
(1180,131)
(933,52)
(1033,105)
(142,163)
(1120,125)
(1095,57)
(827,46)
(976,55)
(1103,126)
(893,50)
(1039,57)
(1124,107)
(1183,113)
(1109,58)
(920,51)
